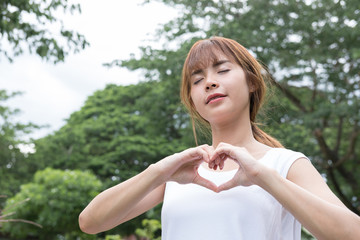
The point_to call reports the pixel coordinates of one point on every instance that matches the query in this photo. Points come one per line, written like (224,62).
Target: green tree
(56,198)
(15,167)
(117,133)
(312,50)
(25,24)
(151,229)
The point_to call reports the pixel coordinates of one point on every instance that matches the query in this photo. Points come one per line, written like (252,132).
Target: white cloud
(115,29)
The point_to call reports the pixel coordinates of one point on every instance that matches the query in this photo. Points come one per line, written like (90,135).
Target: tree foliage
(151,229)
(55,200)
(117,133)
(312,50)
(26,24)
(15,166)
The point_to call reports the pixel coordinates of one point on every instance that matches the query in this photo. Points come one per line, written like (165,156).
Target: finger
(209,150)
(205,183)
(211,164)
(224,152)
(222,159)
(222,163)
(196,154)
(215,160)
(218,160)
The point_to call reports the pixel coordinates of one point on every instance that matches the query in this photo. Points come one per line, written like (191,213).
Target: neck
(241,135)
(238,133)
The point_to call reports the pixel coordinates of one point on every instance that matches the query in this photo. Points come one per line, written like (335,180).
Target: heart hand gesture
(249,168)
(183,167)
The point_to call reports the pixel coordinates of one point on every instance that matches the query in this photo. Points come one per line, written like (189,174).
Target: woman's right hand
(183,167)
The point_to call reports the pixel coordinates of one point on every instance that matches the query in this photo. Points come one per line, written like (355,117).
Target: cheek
(192,97)
(196,102)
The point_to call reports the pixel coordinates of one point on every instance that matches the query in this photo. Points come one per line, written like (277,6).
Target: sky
(115,29)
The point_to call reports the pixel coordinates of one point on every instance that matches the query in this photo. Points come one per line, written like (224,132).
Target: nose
(214,85)
(211,84)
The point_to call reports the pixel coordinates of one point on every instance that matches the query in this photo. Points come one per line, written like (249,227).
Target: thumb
(228,185)
(205,183)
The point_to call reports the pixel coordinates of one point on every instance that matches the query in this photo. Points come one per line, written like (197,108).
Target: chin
(225,117)
(219,119)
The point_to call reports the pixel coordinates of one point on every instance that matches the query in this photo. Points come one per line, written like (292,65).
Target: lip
(214,96)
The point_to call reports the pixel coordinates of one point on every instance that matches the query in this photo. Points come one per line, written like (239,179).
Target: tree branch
(313,97)
(340,193)
(18,203)
(22,220)
(339,133)
(328,153)
(288,94)
(6,215)
(348,176)
(350,152)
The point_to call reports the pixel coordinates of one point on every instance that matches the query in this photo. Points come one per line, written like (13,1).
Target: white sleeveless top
(193,212)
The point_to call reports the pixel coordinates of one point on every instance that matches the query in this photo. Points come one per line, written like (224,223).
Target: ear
(252,87)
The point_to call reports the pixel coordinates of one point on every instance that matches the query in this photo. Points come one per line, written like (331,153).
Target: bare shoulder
(304,174)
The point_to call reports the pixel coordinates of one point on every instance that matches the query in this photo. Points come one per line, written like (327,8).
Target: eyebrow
(218,63)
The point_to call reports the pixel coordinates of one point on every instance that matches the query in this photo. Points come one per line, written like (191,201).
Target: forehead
(205,55)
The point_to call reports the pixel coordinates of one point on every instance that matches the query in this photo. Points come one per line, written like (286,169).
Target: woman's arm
(122,202)
(143,191)
(306,195)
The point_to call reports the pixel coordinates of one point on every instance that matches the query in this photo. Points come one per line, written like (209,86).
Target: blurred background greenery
(311,48)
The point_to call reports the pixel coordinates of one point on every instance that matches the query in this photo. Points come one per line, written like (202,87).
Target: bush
(56,198)
(151,229)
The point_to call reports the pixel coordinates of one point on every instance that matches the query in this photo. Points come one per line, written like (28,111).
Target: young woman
(244,186)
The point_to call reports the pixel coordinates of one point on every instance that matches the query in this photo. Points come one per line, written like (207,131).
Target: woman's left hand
(249,167)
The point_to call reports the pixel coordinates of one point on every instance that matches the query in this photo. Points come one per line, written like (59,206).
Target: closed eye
(224,71)
(197,81)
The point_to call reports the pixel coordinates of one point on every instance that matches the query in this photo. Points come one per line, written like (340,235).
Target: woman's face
(220,91)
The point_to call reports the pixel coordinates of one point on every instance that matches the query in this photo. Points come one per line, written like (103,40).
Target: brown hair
(205,52)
